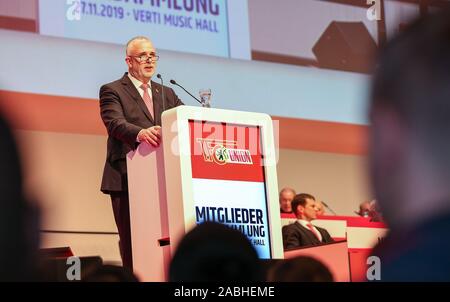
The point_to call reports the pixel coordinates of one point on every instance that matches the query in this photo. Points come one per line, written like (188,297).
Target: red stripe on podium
(220,151)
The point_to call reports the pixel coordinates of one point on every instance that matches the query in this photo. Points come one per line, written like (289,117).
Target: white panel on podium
(148,212)
(196,182)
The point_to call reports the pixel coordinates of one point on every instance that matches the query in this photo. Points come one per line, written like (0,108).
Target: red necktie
(311,228)
(147,99)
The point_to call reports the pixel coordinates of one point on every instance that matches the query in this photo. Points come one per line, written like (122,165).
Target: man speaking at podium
(302,232)
(131,110)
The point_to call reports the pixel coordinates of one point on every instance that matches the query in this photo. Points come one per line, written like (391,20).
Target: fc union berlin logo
(224,152)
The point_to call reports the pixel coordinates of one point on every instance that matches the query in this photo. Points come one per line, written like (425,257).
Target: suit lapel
(322,233)
(134,93)
(304,232)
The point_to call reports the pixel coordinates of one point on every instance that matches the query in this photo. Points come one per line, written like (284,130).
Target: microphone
(323,202)
(162,92)
(175,83)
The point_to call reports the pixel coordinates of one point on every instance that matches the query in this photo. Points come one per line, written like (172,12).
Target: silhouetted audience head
(299,269)
(111,273)
(18,222)
(215,252)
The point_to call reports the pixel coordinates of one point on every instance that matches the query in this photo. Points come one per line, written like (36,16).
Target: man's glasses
(144,58)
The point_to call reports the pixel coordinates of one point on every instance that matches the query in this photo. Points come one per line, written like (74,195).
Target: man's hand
(150,135)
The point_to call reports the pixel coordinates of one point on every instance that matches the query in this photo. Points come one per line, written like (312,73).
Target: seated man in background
(286,197)
(375,212)
(320,208)
(364,209)
(371,210)
(302,232)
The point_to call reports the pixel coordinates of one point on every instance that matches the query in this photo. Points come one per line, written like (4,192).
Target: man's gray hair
(134,39)
(287,189)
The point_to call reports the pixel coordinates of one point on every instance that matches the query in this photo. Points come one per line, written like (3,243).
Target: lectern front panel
(228,182)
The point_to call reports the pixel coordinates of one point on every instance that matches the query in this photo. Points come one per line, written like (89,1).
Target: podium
(212,165)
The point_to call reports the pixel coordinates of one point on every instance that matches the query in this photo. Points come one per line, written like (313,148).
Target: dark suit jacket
(295,235)
(124,114)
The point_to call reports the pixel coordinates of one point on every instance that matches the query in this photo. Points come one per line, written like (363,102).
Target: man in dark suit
(131,110)
(302,232)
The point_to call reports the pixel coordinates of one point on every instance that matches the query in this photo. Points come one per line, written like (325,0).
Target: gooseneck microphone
(175,83)
(162,92)
(328,208)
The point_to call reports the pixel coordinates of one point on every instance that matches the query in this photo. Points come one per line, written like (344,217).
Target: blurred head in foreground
(111,273)
(410,150)
(299,269)
(18,221)
(215,252)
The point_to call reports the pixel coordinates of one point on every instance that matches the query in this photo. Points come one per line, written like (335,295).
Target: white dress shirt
(138,84)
